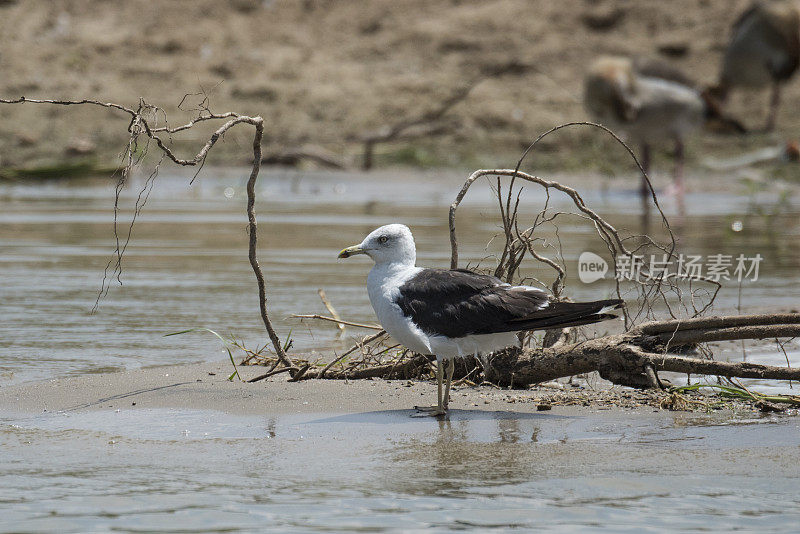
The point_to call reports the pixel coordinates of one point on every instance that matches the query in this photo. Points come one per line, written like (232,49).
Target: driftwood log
(633,358)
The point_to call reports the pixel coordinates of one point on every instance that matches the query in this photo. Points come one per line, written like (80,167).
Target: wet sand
(196,450)
(205,386)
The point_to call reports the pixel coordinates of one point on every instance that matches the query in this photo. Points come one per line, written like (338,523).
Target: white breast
(383,285)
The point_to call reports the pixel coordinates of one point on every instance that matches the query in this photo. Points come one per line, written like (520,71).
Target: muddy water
(186,265)
(197,471)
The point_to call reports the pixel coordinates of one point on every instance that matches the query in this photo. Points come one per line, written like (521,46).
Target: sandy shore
(204,386)
(321,73)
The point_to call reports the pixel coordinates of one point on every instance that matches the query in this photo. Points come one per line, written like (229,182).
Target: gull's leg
(680,184)
(678,188)
(438,409)
(439,377)
(774,102)
(451,367)
(644,189)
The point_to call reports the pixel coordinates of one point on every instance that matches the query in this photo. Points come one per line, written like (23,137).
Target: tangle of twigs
(144,126)
(698,293)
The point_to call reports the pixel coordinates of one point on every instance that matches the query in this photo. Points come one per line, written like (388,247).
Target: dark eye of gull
(383,239)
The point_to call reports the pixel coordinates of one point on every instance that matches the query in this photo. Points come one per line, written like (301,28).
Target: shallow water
(186,266)
(197,471)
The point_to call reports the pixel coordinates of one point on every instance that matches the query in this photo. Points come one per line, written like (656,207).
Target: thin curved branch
(685,337)
(618,140)
(334,320)
(369,339)
(607,231)
(140,124)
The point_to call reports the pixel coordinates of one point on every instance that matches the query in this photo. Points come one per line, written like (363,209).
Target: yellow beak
(351,251)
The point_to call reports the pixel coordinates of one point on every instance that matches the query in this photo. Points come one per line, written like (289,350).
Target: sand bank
(205,386)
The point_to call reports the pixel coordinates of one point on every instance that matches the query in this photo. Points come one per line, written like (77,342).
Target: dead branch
(358,345)
(630,354)
(432,122)
(685,337)
(426,124)
(294,156)
(694,299)
(406,369)
(328,306)
(140,125)
(660,327)
(606,231)
(609,234)
(268,374)
(335,320)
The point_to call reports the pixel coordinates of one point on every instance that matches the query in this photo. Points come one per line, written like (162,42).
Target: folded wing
(457,303)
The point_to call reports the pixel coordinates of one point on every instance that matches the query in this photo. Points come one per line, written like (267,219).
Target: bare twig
(313,153)
(377,371)
(328,306)
(357,346)
(270,373)
(425,124)
(607,231)
(333,319)
(139,125)
(432,122)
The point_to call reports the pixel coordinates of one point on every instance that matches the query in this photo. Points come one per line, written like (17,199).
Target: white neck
(402,258)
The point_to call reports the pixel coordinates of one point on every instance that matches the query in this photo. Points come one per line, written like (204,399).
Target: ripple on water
(204,471)
(199,471)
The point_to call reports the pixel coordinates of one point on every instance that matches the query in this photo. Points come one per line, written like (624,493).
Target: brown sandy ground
(205,386)
(322,71)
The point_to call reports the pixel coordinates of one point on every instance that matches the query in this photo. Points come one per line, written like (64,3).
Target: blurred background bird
(652,103)
(764,51)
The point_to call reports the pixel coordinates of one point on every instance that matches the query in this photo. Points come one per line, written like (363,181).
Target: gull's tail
(565,314)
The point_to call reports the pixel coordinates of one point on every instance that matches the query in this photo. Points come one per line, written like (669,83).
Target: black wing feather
(457,303)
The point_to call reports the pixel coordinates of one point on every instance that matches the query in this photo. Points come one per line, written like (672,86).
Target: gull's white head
(388,244)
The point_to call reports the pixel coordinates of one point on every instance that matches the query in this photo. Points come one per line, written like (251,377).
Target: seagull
(449,313)
(652,102)
(764,50)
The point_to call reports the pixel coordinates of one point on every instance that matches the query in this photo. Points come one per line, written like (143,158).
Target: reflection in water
(464,453)
(508,430)
(388,471)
